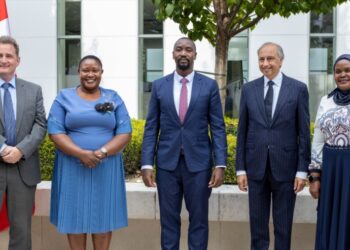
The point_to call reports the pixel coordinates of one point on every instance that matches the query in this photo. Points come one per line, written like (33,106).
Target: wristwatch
(104,151)
(313,178)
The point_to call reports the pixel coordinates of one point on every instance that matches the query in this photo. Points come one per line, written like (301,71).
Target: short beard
(183,66)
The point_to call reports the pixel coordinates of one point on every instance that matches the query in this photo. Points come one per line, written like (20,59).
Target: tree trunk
(221,51)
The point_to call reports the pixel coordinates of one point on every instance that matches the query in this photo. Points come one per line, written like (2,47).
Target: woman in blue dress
(330,163)
(89,126)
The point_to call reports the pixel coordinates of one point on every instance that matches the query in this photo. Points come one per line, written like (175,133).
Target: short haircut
(10,40)
(280,52)
(185,38)
(98,60)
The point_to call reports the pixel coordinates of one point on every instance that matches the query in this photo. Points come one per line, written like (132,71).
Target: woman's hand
(89,158)
(99,154)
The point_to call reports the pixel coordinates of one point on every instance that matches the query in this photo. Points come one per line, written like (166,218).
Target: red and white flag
(4,31)
(4,19)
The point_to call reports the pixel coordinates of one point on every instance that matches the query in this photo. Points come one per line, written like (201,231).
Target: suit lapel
(259,92)
(196,88)
(169,96)
(282,97)
(21,100)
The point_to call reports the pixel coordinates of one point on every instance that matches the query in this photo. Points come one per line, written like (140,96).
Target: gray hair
(10,40)
(280,52)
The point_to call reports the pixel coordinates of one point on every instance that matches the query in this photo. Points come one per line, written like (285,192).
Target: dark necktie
(183,100)
(268,101)
(9,117)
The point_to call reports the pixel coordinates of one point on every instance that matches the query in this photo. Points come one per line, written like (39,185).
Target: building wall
(33,25)
(205,60)
(110,30)
(343,29)
(292,34)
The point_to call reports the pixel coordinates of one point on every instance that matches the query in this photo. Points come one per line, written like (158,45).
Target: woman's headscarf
(340,97)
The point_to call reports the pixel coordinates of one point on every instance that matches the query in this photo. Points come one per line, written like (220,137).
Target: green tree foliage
(219,20)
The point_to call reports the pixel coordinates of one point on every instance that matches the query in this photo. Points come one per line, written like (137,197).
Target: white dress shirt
(12,90)
(276,91)
(176,93)
(178,86)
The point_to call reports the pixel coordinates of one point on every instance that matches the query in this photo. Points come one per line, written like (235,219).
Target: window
(150,53)
(69,44)
(321,56)
(237,72)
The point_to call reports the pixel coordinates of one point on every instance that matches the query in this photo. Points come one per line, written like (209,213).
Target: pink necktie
(183,100)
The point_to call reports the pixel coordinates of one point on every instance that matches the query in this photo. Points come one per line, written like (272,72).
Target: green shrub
(132,152)
(231,126)
(47,156)
(230,173)
(312,128)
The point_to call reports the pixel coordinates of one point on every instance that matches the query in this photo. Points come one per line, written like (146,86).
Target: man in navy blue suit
(183,107)
(273,147)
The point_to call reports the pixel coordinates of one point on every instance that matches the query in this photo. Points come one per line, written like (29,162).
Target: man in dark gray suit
(273,147)
(22,128)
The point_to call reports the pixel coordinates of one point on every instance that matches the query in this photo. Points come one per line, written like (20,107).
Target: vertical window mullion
(68,42)
(150,53)
(322,42)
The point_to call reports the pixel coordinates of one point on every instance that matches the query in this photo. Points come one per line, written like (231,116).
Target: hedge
(132,152)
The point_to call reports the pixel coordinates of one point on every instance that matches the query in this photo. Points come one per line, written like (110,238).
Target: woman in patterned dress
(89,126)
(330,163)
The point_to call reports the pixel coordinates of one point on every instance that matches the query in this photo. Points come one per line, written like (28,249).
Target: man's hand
(242,181)
(299,184)
(314,189)
(11,155)
(148,178)
(217,177)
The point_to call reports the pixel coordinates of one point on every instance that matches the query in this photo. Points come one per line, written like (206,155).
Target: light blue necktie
(9,116)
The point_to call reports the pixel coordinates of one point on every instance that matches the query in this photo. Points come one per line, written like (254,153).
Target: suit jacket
(286,139)
(164,134)
(30,129)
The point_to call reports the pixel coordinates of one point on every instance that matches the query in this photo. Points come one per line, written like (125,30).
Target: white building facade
(135,49)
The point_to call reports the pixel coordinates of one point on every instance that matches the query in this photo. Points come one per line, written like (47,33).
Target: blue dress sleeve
(55,122)
(123,125)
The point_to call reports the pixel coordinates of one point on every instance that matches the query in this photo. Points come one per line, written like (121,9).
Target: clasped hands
(11,155)
(91,158)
